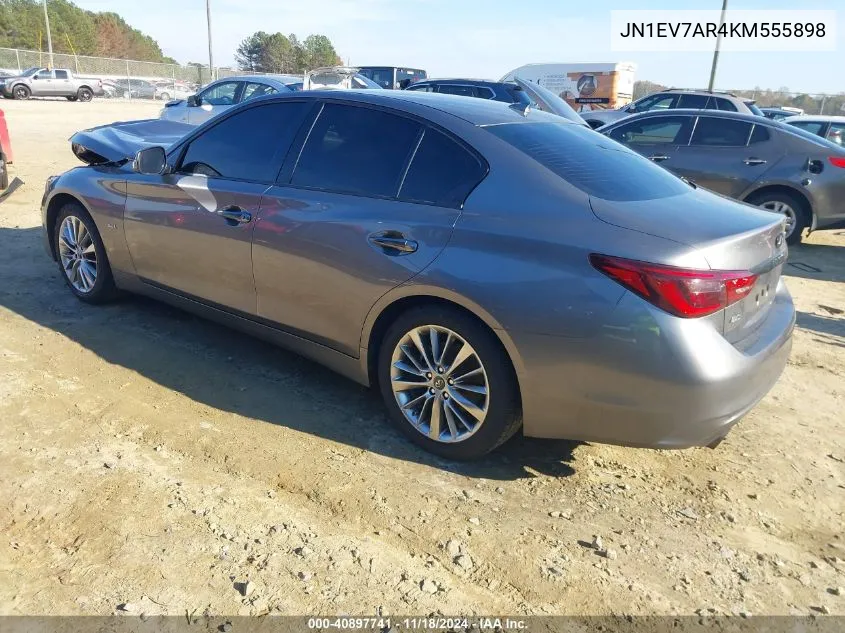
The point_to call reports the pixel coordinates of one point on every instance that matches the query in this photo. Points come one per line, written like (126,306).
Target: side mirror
(150,161)
(193,101)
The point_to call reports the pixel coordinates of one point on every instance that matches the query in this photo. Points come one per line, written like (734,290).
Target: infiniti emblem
(779,240)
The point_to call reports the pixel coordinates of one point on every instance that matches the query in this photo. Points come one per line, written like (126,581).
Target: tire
(501,402)
(103,288)
(790,205)
(21,92)
(4,173)
(71,97)
(85,94)
(165,96)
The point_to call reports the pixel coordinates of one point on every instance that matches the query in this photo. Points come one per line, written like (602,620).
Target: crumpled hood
(117,142)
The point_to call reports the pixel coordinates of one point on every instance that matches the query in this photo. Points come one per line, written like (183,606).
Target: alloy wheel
(776,206)
(77,254)
(439,383)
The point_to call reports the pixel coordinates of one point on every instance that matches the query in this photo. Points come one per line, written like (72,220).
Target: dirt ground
(156,461)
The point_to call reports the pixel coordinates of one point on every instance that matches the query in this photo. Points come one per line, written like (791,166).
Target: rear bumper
(652,380)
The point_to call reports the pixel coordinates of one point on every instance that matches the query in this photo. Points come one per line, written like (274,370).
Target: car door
(727,155)
(213,100)
(190,231)
(42,83)
(371,201)
(61,83)
(658,138)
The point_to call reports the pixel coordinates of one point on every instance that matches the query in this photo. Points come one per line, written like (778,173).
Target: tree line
(74,30)
(276,53)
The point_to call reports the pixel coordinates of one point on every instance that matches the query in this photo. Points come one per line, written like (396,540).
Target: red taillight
(837,161)
(683,292)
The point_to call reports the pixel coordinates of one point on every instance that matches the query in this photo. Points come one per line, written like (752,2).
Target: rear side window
(720,132)
(442,172)
(61,74)
(249,145)
(759,135)
(422,88)
(693,102)
(483,92)
(665,129)
(591,162)
(724,104)
(450,89)
(813,127)
(356,150)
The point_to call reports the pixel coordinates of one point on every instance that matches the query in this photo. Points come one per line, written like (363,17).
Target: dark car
(519,93)
(489,268)
(135,88)
(757,160)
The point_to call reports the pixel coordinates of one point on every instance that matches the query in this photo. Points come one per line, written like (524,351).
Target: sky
(478,38)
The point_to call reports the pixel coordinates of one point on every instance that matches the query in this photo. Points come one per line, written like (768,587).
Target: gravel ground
(152,462)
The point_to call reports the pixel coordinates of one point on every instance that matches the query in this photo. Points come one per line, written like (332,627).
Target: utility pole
(49,38)
(210,54)
(718,44)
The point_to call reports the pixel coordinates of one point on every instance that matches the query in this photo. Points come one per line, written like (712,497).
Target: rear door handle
(397,243)
(235,215)
(659,158)
(755,161)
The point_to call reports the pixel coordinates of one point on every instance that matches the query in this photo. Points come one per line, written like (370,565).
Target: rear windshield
(593,163)
(754,109)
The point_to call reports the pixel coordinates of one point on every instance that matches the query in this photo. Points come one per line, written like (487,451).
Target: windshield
(29,72)
(593,163)
(755,110)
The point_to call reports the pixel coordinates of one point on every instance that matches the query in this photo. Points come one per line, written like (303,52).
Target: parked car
(58,82)
(753,159)
(130,87)
(673,98)
(778,114)
(167,90)
(831,128)
(521,93)
(337,78)
(219,96)
(392,77)
(489,268)
(7,157)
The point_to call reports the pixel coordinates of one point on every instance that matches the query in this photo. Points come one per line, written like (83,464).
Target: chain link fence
(170,80)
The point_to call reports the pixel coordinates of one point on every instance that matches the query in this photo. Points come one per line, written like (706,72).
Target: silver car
(487,268)
(221,95)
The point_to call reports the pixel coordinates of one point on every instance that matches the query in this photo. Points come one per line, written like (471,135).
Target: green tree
(248,53)
(277,55)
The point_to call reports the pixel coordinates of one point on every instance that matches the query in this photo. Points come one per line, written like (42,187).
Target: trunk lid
(121,141)
(730,236)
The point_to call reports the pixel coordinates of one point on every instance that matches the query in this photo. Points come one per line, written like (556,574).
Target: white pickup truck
(51,82)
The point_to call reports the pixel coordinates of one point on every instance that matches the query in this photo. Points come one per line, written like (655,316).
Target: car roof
(478,112)
(457,80)
(817,118)
(720,114)
(707,93)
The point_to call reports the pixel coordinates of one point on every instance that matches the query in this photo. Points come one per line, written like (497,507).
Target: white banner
(742,30)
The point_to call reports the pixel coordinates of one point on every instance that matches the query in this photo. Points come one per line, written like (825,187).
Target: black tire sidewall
(24,91)
(85,94)
(504,413)
(103,289)
(802,219)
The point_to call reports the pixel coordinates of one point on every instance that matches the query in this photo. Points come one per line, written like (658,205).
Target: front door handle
(394,242)
(235,215)
(659,158)
(755,161)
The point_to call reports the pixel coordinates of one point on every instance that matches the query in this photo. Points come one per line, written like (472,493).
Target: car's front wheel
(21,92)
(448,382)
(82,255)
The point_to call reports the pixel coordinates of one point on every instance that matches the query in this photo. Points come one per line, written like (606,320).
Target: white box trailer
(584,86)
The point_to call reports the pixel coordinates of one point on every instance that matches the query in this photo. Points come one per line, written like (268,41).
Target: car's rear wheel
(21,92)
(448,383)
(85,94)
(82,255)
(790,206)
(165,96)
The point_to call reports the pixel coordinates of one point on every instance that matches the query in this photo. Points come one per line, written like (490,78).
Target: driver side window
(658,130)
(221,94)
(43,74)
(656,102)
